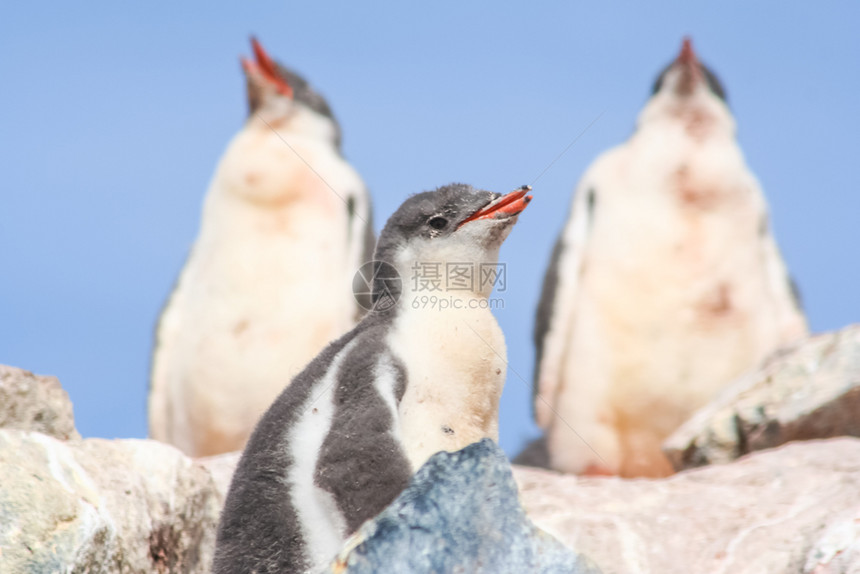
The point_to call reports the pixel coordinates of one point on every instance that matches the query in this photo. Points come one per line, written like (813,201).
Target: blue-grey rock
(460,513)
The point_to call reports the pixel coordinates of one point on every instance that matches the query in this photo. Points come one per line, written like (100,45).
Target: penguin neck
(455,359)
(268,219)
(460,271)
(698,115)
(296,121)
(270,168)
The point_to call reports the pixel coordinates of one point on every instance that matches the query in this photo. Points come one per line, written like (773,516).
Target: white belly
(456,366)
(267,286)
(677,296)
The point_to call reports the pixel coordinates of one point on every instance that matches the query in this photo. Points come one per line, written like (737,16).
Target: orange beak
(691,71)
(507,205)
(687,55)
(264,66)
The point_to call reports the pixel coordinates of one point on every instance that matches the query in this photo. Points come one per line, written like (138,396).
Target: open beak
(508,205)
(263,66)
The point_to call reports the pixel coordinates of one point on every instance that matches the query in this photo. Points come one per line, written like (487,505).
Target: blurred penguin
(665,284)
(286,224)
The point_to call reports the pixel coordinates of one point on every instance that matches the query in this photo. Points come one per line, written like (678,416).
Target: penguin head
(281,96)
(686,75)
(454,224)
(686,91)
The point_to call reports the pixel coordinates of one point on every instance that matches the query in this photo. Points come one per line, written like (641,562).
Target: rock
(788,510)
(460,513)
(810,392)
(131,506)
(221,467)
(838,549)
(30,402)
(139,506)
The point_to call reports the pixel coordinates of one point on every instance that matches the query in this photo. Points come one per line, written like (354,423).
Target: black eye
(438,222)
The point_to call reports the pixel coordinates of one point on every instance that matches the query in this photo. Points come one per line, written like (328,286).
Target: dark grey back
(360,463)
(259,530)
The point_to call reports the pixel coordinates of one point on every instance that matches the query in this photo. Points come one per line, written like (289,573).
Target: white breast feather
(266,287)
(662,298)
(456,366)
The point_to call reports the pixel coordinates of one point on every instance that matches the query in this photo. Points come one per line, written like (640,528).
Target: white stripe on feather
(385,381)
(323,526)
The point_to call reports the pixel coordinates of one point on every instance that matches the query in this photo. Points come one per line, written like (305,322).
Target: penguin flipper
(556,304)
(362,243)
(784,293)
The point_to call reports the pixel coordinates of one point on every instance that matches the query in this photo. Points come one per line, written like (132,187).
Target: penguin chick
(665,284)
(285,225)
(342,441)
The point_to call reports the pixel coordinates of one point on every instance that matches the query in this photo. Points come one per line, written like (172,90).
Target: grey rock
(130,506)
(222,466)
(454,474)
(460,513)
(810,392)
(140,506)
(30,402)
(135,506)
(789,510)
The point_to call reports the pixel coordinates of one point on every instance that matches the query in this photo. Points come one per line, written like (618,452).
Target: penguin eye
(437,222)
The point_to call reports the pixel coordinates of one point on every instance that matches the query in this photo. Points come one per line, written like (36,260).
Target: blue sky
(113,118)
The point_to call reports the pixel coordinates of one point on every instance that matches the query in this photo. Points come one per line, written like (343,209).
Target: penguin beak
(502,207)
(687,56)
(691,71)
(264,68)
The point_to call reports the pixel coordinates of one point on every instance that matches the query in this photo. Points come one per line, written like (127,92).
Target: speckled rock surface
(789,510)
(837,551)
(130,506)
(221,467)
(810,392)
(138,506)
(459,514)
(31,402)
